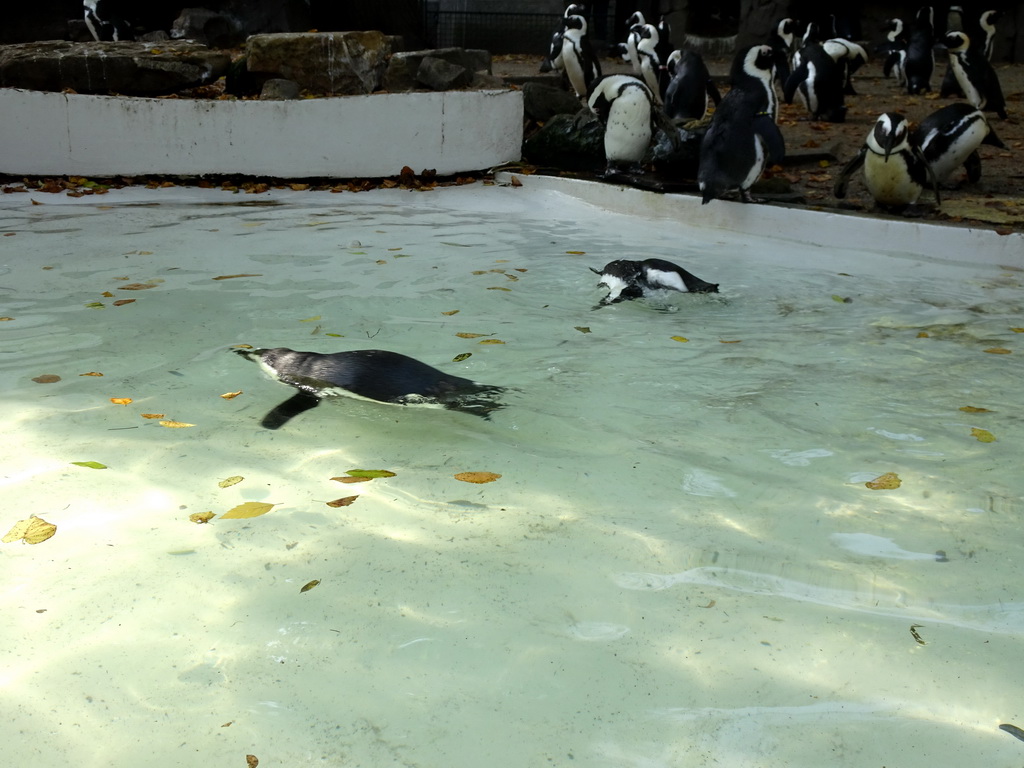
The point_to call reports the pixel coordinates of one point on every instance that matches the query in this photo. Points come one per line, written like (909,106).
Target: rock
(681,158)
(217,30)
(484,81)
(542,102)
(570,142)
(341,63)
(440,75)
(403,66)
(279,89)
(130,68)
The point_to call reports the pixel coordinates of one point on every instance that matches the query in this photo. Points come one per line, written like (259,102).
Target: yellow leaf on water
(498,288)
(309,585)
(465,335)
(342,502)
(983,435)
(46,378)
(312,319)
(229,481)
(352,479)
(201,517)
(1017,330)
(922,335)
(89,464)
(886,482)
(152,415)
(247,510)
(679,338)
(451,312)
(231,395)
(577,253)
(370,473)
(477,477)
(972,409)
(32,531)
(175,424)
(121,400)
(582,328)
(91,373)
(460,357)
(490,341)
(998,351)
(232,277)
(730,341)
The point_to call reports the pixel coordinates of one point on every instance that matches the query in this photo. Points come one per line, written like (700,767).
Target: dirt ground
(996,202)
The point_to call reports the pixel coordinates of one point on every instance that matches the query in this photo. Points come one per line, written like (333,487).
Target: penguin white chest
(757,166)
(889,181)
(628,133)
(971,92)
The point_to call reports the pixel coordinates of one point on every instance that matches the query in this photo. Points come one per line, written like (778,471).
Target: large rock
(404,66)
(340,63)
(568,142)
(541,102)
(135,69)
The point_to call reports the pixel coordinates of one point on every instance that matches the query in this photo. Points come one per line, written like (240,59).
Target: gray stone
(279,89)
(483,80)
(130,68)
(208,27)
(440,75)
(569,142)
(403,66)
(542,102)
(339,63)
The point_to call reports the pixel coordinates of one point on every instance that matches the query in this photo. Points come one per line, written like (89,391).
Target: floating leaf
(232,277)
(151,415)
(309,585)
(352,479)
(342,502)
(3,319)
(842,299)
(122,302)
(451,312)
(477,477)
(490,341)
(461,357)
(175,424)
(465,335)
(730,341)
(91,373)
(231,395)
(96,305)
(32,531)
(582,328)
(923,335)
(577,253)
(983,435)
(886,482)
(972,409)
(109,295)
(251,761)
(201,517)
(138,286)
(498,288)
(679,338)
(229,481)
(247,510)
(121,400)
(998,351)
(371,473)
(1017,330)
(89,464)
(46,378)
(312,319)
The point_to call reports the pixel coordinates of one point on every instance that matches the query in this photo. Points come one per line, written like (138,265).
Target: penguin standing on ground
(103,21)
(951,136)
(920,60)
(895,170)
(634,24)
(374,374)
(975,75)
(626,107)
(783,41)
(691,89)
(553,60)
(818,81)
(626,279)
(578,59)
(849,56)
(895,50)
(743,138)
(987,24)
(650,64)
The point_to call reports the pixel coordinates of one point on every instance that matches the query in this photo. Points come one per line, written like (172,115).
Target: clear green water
(679,566)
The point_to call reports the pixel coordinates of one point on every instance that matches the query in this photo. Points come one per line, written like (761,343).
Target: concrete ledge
(355,136)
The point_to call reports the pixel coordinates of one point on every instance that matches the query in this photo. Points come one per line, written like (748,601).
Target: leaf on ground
(886,482)
(477,477)
(46,378)
(345,501)
(972,409)
(152,415)
(370,473)
(121,400)
(459,358)
(229,481)
(998,351)
(247,510)
(175,424)
(231,395)
(232,277)
(309,585)
(32,531)
(464,335)
(89,464)
(982,435)
(122,302)
(201,517)
(679,338)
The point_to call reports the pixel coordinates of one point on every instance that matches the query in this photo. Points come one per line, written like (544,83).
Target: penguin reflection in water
(371,374)
(627,279)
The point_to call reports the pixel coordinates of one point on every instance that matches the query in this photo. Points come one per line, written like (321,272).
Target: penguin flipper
(774,143)
(931,174)
(993,140)
(973,167)
(289,409)
(843,179)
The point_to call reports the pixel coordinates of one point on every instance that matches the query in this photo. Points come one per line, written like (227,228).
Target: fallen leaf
(231,395)
(459,358)
(251,761)
(91,373)
(229,481)
(577,253)
(2,319)
(923,335)
(201,517)
(109,295)
(96,305)
(972,409)
(89,464)
(477,477)
(886,482)
(582,328)
(471,335)
(352,479)
(371,473)
(152,415)
(451,312)
(137,286)
(730,341)
(175,424)
(122,302)
(1015,330)
(515,182)
(842,299)
(997,351)
(983,435)
(121,400)
(312,319)
(247,510)
(345,501)
(46,378)
(679,338)
(32,531)
(498,288)
(309,585)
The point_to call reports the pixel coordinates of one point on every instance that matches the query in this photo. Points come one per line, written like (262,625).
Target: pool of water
(680,565)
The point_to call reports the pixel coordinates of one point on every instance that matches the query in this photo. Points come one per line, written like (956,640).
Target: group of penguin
(671,87)
(391,377)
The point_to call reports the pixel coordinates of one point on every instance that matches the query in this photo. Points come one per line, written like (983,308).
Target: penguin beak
(890,140)
(249,354)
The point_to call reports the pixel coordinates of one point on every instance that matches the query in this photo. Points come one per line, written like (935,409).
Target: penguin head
(576,22)
(889,135)
(574,9)
(893,29)
(956,42)
(758,62)
(637,19)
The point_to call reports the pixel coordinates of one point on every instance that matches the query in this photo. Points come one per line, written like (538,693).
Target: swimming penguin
(818,81)
(578,59)
(374,374)
(743,138)
(920,60)
(951,136)
(103,21)
(895,50)
(976,77)
(626,279)
(626,107)
(895,170)
(690,89)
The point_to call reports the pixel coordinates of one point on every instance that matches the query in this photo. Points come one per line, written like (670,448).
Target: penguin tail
(595,271)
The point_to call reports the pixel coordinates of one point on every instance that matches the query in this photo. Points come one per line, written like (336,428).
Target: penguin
(849,56)
(783,40)
(626,107)
(626,279)
(920,60)
(975,74)
(743,138)
(690,89)
(103,21)
(578,59)
(372,374)
(895,50)
(818,80)
(634,24)
(553,60)
(987,23)
(895,170)
(951,136)
(664,48)
(650,64)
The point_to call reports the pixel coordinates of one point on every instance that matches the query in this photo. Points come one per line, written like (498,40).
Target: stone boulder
(336,63)
(541,102)
(404,67)
(440,75)
(568,142)
(129,68)
(218,30)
